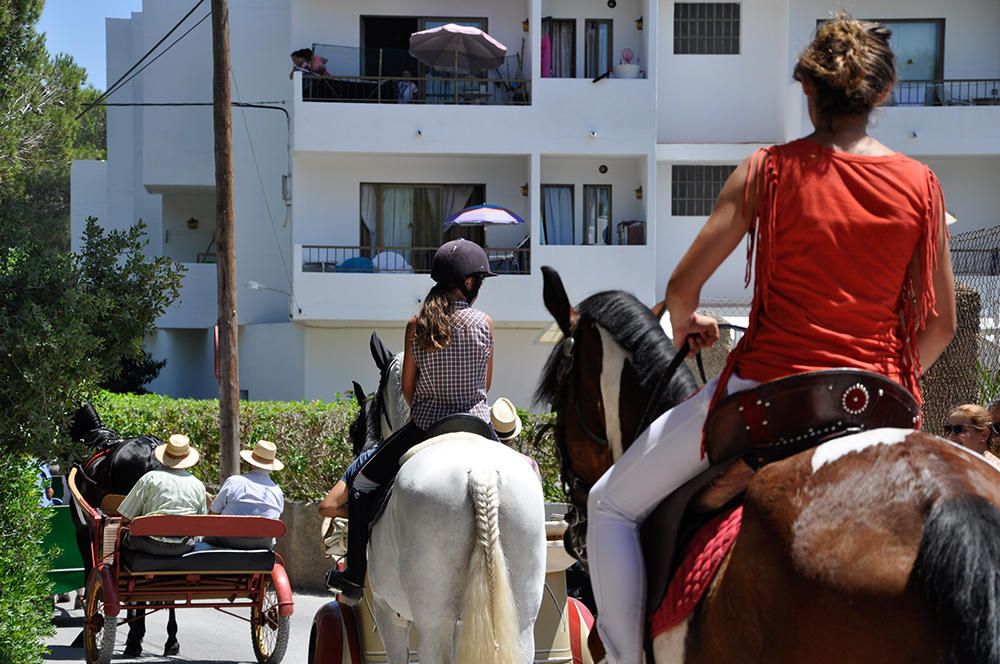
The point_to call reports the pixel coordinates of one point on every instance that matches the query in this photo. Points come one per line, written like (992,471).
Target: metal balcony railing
(400,259)
(954,92)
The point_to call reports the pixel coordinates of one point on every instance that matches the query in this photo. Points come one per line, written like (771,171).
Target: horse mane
(634,327)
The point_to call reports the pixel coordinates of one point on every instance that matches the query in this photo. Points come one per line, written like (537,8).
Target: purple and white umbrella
(461,49)
(483,215)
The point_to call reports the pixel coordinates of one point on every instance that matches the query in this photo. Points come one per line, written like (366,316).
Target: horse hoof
(172,648)
(132,650)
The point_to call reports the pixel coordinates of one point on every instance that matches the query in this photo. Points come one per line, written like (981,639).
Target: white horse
(459,551)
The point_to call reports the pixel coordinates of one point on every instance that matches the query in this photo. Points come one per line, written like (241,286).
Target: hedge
(312,437)
(25,612)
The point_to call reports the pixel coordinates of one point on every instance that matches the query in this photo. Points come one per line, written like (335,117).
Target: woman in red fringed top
(849,252)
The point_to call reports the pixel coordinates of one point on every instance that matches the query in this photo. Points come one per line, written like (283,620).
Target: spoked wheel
(269,630)
(98,629)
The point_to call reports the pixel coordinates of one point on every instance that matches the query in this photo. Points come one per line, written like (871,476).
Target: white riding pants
(661,459)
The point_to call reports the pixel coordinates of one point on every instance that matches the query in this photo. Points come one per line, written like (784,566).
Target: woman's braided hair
(850,64)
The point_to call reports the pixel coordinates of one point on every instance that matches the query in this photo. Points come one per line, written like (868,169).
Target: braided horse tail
(488,632)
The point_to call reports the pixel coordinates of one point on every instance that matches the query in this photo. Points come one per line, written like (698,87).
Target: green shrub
(25,611)
(312,437)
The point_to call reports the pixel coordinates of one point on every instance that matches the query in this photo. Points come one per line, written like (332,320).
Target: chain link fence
(969,369)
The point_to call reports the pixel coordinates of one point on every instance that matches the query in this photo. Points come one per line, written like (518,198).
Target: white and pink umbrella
(483,215)
(461,49)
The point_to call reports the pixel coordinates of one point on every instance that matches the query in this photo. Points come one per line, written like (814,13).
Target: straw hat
(505,420)
(177,453)
(263,456)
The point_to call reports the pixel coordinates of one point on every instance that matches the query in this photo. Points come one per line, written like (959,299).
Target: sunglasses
(959,429)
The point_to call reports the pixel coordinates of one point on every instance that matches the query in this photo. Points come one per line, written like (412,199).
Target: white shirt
(253,494)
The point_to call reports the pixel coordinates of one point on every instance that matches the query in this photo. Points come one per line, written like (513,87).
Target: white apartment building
(341,192)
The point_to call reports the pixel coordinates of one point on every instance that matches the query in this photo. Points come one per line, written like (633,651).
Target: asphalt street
(206,636)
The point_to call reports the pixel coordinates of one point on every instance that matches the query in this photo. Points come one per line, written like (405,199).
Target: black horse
(114,467)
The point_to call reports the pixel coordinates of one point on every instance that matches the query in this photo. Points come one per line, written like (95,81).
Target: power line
(159,55)
(111,88)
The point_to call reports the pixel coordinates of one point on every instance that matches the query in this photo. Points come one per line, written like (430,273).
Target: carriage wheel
(268,629)
(98,629)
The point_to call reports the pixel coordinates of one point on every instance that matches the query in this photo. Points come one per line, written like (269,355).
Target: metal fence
(401,259)
(953,92)
(393,76)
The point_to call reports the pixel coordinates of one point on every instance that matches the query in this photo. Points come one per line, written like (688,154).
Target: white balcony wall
(190,368)
(624,32)
(88,197)
(328,190)
(196,307)
(177,144)
(623,175)
(725,98)
(181,243)
(268,375)
(970,190)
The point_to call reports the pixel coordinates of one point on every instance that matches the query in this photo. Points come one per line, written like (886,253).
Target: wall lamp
(638,23)
(524,189)
(192,223)
(638,193)
(525,25)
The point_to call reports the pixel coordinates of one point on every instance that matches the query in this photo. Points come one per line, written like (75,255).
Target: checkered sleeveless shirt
(453,380)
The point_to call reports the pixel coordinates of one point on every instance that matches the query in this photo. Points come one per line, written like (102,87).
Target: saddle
(771,422)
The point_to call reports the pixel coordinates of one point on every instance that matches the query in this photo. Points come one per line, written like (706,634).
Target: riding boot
(351,581)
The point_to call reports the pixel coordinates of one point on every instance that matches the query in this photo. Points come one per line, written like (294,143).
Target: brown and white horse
(881,547)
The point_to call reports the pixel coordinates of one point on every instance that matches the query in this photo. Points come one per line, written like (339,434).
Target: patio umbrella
(455,48)
(483,215)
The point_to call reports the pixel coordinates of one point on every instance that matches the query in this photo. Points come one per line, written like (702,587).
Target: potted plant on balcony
(625,67)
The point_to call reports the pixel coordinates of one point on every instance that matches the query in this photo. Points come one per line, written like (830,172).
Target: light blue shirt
(253,494)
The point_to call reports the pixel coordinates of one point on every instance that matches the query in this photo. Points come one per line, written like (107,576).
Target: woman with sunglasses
(969,426)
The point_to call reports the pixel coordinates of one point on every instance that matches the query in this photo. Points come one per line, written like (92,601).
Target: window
(597,214)
(695,188)
(398,217)
(702,28)
(597,47)
(561,61)
(557,214)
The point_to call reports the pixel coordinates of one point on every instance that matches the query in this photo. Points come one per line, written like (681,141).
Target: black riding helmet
(458,259)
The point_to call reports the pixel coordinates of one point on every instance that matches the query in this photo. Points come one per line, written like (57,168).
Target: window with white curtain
(562,47)
(597,214)
(557,214)
(597,47)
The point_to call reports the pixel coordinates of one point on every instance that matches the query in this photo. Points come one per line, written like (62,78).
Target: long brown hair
(433,328)
(850,63)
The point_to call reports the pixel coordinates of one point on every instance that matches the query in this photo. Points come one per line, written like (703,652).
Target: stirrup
(337,582)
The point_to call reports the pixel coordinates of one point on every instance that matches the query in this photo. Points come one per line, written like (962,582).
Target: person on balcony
(447,370)
(406,89)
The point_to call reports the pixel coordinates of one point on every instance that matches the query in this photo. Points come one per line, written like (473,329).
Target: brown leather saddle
(771,422)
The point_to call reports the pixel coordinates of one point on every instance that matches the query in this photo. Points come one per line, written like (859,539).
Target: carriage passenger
(170,490)
(447,370)
(253,494)
(852,270)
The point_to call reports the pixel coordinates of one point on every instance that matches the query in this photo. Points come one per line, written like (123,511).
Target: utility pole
(225,240)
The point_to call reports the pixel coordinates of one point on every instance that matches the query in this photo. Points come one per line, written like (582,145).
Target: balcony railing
(955,92)
(401,259)
(391,76)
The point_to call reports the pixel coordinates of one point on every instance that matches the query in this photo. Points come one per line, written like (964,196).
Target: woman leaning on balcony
(447,370)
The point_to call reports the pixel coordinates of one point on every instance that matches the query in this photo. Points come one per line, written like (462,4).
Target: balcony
(401,260)
(196,308)
(955,92)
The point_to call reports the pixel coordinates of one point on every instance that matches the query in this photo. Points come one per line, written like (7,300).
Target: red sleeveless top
(835,234)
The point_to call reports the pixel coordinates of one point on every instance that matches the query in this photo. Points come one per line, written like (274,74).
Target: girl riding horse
(447,369)
(852,270)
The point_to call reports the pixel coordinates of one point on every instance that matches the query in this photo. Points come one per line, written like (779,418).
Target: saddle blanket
(702,558)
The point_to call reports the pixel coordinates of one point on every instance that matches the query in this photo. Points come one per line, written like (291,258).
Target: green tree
(66,323)
(40,97)
(134,374)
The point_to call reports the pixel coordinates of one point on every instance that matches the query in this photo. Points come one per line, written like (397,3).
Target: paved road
(206,636)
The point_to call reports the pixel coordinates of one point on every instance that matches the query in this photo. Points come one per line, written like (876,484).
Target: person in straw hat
(253,494)
(506,422)
(167,490)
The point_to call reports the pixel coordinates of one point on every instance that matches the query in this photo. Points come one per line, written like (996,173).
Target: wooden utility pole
(225,240)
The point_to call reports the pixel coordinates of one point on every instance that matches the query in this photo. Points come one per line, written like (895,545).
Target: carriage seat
(203,558)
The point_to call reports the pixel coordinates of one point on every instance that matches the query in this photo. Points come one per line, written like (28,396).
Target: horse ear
(359,394)
(556,300)
(380,353)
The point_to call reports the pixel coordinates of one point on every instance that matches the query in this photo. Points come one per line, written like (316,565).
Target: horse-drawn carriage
(208,577)
(342,634)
